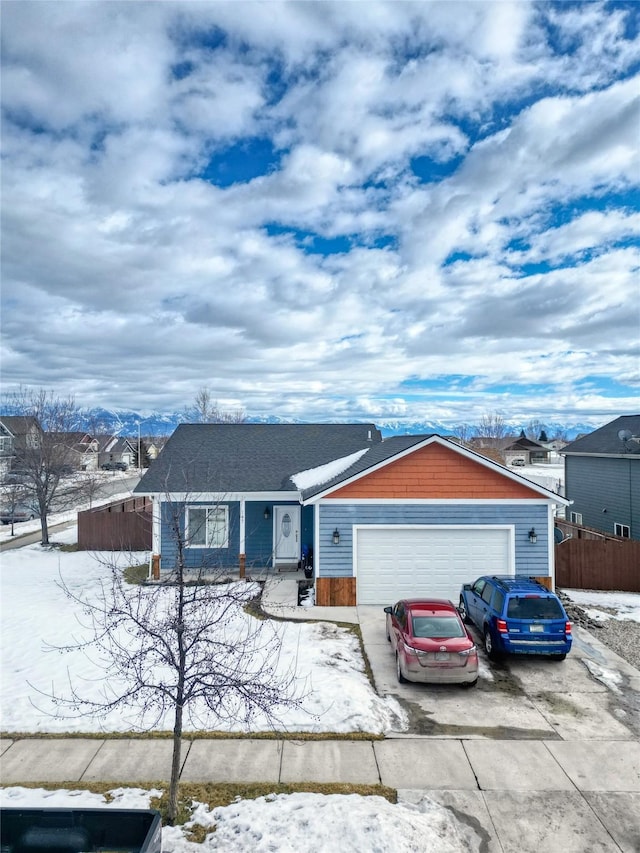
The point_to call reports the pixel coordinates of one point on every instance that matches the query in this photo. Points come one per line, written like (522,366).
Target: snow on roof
(324,473)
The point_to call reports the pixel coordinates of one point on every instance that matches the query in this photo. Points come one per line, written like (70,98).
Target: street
(26,533)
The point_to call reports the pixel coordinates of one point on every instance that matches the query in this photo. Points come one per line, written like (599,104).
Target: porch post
(156,537)
(242,557)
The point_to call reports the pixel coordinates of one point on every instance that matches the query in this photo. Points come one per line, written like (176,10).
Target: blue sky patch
(428,170)
(241,163)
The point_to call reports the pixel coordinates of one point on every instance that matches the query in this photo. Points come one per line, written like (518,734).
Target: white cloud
(112,111)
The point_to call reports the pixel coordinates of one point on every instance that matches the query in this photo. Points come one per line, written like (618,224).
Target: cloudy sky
(325,211)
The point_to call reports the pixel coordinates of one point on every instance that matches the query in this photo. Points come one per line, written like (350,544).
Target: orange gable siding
(434,472)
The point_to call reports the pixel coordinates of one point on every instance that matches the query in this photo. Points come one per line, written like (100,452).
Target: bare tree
(205,410)
(15,496)
(48,449)
(534,429)
(464,433)
(181,648)
(491,426)
(87,486)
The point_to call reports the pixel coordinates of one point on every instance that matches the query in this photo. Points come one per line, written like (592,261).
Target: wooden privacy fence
(593,560)
(120,526)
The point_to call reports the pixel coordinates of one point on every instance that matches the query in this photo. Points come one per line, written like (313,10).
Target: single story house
(602,478)
(385,518)
(513,447)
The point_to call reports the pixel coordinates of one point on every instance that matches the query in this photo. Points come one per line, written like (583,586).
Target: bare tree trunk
(44,527)
(175,766)
(179,706)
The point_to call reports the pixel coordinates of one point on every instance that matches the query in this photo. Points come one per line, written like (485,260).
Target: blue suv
(516,616)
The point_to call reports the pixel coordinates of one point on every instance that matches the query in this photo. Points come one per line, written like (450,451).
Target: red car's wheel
(401,677)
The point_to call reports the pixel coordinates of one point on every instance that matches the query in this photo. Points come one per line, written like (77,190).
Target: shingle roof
(250,457)
(606,439)
(19,424)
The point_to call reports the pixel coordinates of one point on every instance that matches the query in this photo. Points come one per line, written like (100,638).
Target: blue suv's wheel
(489,645)
(462,610)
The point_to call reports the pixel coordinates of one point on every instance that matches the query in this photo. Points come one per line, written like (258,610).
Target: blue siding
(198,558)
(336,560)
(306,534)
(258,537)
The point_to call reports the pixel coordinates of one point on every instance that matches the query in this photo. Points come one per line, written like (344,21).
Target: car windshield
(437,626)
(534,608)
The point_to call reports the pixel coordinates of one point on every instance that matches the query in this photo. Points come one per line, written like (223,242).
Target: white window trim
(218,508)
(619,530)
(576,518)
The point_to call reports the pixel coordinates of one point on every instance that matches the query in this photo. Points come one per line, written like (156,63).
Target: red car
(431,643)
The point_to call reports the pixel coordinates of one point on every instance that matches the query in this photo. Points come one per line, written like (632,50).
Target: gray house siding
(337,560)
(598,483)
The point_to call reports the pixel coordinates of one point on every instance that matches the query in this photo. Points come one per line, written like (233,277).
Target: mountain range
(125,423)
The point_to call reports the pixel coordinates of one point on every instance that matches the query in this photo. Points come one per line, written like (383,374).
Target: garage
(397,561)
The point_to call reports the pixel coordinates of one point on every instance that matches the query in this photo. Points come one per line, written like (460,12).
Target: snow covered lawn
(287,823)
(35,612)
(603,605)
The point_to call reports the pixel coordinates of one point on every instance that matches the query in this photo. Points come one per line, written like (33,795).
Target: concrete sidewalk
(524,795)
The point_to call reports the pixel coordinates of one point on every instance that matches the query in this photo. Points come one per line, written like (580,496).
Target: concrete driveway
(592,695)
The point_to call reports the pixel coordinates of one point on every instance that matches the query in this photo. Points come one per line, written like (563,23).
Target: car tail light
(501,625)
(567,627)
(468,653)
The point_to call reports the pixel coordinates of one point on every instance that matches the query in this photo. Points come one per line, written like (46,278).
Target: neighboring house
(512,447)
(77,449)
(602,478)
(116,449)
(403,516)
(154,446)
(18,433)
(555,447)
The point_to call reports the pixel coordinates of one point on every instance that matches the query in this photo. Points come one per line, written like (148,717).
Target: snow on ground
(36,613)
(549,476)
(287,823)
(602,605)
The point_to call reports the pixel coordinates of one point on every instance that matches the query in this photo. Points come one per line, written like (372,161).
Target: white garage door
(411,562)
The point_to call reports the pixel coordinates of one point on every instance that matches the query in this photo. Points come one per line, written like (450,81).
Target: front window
(576,517)
(208,527)
(622,530)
